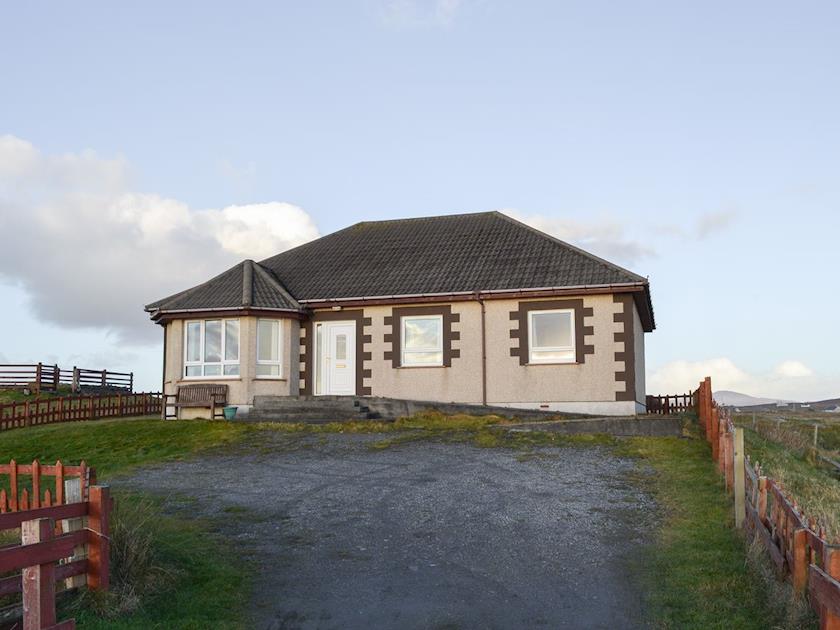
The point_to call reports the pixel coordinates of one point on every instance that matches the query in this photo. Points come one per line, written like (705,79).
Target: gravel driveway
(424,534)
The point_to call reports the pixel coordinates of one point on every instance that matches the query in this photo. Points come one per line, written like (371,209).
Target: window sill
(554,363)
(419,367)
(193,379)
(269,378)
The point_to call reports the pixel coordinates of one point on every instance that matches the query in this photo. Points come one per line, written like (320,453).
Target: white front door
(338,360)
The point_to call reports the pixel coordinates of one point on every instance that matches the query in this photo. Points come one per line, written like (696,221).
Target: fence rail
(668,404)
(41,549)
(41,377)
(795,543)
(15,415)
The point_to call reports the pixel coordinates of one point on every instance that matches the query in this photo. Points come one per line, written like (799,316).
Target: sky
(145,147)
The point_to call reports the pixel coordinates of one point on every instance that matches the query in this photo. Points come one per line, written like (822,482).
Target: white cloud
(789,380)
(604,238)
(90,252)
(792,369)
(416,13)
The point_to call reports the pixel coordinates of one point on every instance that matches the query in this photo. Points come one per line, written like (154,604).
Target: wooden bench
(208,395)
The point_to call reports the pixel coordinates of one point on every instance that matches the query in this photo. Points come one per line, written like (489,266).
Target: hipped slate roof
(482,252)
(245,286)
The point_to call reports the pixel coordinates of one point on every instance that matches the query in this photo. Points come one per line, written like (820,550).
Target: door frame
(307,373)
(319,358)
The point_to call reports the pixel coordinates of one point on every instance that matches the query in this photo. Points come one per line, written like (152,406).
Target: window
(551,336)
(268,348)
(422,340)
(211,348)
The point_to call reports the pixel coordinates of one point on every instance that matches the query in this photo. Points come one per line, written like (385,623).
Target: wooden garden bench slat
(210,395)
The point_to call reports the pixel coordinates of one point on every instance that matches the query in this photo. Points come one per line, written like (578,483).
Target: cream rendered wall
(242,389)
(639,332)
(459,383)
(509,383)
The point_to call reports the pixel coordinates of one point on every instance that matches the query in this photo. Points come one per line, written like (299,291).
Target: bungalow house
(471,308)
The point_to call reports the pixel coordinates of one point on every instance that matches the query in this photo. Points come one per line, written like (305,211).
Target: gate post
(38,580)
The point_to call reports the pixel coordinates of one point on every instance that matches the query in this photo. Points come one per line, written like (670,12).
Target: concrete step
(309,417)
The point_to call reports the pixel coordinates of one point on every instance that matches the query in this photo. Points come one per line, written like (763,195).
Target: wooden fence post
(799,570)
(714,434)
(761,504)
(56,375)
(73,494)
(38,580)
(38,378)
(729,464)
(740,489)
(75,387)
(707,400)
(98,574)
(26,413)
(829,620)
(104,378)
(131,381)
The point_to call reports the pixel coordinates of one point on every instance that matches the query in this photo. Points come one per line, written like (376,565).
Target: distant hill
(745,401)
(826,405)
(737,399)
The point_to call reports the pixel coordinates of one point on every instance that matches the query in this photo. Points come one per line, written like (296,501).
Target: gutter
(627,286)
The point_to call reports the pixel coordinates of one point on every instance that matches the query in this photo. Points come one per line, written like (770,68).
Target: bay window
(269,348)
(211,348)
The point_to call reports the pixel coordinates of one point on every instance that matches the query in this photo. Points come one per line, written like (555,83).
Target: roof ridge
(247,282)
(270,277)
(579,250)
(429,218)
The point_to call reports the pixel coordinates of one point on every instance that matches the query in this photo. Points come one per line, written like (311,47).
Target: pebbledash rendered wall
(604,381)
(608,379)
(241,389)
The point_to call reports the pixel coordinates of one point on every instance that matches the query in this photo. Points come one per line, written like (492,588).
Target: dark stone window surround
(521,331)
(308,349)
(628,356)
(394,355)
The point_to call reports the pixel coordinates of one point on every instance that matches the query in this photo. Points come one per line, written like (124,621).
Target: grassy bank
(815,487)
(115,446)
(697,574)
(167,572)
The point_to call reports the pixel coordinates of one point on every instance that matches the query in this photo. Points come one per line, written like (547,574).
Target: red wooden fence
(71,408)
(795,543)
(41,549)
(27,502)
(18,495)
(667,404)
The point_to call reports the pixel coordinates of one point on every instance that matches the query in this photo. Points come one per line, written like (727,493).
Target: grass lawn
(697,576)
(785,455)
(169,572)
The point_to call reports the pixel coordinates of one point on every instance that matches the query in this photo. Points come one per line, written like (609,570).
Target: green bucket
(230,413)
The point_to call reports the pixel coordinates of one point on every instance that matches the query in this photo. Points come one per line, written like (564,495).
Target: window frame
(223,362)
(279,361)
(439,348)
(533,348)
